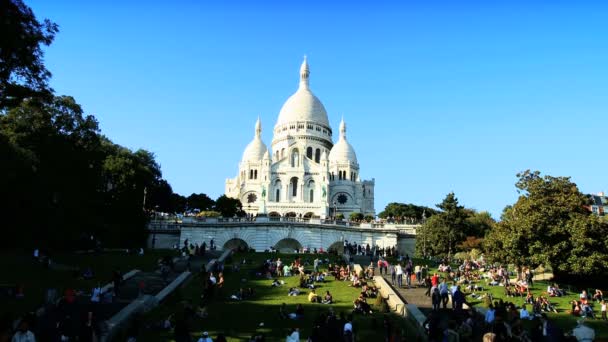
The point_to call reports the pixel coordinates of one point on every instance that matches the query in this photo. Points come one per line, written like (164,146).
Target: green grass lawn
(19,268)
(239,320)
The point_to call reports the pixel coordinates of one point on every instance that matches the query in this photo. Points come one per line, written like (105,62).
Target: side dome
(256,149)
(343,151)
(303,105)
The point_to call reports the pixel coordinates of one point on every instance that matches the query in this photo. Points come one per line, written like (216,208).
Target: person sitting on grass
(312,296)
(327,299)
(529,298)
(361,306)
(583,297)
(275,282)
(587,311)
(576,308)
(356,282)
(546,305)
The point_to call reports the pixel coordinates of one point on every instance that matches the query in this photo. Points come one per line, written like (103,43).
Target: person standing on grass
(603,309)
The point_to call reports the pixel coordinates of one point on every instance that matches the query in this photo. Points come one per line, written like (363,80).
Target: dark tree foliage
(229,207)
(399,211)
(61,179)
(22,71)
(201,202)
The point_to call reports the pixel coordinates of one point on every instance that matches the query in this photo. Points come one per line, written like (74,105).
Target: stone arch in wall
(236,243)
(336,247)
(274,214)
(288,245)
(291,214)
(309,215)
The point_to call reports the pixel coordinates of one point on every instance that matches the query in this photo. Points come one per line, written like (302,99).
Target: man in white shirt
(399,274)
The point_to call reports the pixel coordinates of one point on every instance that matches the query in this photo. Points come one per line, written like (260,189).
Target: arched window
(318,155)
(250,174)
(311,191)
(309,152)
(295,158)
(282,153)
(255,174)
(277,186)
(294,186)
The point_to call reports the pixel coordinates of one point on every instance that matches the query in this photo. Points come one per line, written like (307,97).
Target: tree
(401,210)
(229,206)
(22,71)
(479,223)
(443,231)
(548,225)
(355,216)
(200,201)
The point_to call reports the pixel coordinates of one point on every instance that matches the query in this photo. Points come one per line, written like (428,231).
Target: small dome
(343,151)
(303,105)
(256,149)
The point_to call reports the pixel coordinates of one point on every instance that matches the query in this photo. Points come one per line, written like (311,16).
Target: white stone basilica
(304,173)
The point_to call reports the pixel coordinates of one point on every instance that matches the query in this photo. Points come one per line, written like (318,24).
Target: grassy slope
(239,320)
(20,268)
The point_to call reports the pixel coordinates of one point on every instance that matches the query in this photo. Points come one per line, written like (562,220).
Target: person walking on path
(399,273)
(392,270)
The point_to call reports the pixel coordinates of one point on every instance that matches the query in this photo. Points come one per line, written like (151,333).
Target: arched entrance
(308,215)
(236,243)
(288,245)
(336,247)
(290,214)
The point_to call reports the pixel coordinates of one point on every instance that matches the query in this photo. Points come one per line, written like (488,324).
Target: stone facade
(263,236)
(304,174)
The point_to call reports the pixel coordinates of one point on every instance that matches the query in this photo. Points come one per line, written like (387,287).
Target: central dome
(303,105)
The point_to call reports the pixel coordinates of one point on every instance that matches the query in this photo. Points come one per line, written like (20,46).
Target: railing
(176,226)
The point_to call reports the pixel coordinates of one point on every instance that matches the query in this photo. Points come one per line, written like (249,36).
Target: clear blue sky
(437,96)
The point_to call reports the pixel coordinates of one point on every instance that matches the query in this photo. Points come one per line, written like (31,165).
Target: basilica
(303,174)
